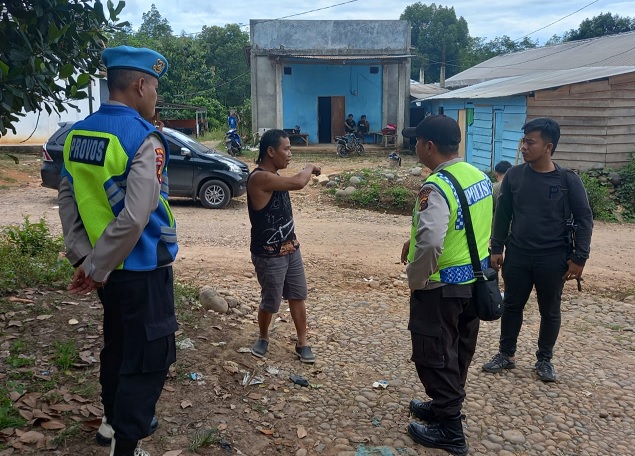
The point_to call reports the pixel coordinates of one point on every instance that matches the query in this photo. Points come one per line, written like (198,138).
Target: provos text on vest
(88,149)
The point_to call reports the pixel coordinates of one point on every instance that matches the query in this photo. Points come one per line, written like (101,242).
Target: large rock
(349,190)
(614,178)
(322,179)
(416,171)
(211,300)
(355,180)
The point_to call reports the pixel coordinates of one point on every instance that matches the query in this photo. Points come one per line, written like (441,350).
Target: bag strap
(467,219)
(564,187)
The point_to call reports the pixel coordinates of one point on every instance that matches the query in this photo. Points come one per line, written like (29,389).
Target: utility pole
(442,76)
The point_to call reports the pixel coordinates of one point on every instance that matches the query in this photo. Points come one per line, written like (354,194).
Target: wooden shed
(587,86)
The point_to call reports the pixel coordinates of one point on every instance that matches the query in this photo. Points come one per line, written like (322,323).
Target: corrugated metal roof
(504,87)
(607,51)
(420,91)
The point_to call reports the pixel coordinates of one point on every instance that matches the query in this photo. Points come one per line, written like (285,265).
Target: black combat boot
(422,410)
(446,435)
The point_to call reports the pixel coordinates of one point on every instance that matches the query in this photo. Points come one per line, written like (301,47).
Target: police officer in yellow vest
(120,234)
(443,322)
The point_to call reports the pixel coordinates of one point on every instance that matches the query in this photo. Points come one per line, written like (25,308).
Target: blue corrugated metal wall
(495,130)
(307,82)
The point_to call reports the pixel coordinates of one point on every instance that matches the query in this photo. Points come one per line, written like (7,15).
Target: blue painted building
(312,74)
(491,127)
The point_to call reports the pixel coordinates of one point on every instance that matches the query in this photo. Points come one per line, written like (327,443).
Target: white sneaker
(137,452)
(140,452)
(105,433)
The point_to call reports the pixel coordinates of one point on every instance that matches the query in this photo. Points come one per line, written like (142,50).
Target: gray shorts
(280,277)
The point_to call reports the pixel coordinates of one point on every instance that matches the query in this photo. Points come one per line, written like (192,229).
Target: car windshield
(190,143)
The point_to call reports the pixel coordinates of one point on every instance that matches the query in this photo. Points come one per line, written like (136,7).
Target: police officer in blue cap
(120,234)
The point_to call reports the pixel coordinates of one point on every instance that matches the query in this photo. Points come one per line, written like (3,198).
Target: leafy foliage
(208,70)
(438,35)
(31,255)
(601,25)
(50,49)
(626,191)
(600,200)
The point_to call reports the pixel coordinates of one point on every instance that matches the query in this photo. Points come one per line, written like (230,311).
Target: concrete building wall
(329,54)
(319,36)
(35,128)
(360,88)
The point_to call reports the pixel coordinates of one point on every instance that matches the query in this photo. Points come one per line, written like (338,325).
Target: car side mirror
(186,152)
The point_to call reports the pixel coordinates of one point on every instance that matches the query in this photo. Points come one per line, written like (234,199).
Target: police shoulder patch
(160,160)
(424,194)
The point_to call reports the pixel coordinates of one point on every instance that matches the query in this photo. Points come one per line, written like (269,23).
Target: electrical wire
(555,22)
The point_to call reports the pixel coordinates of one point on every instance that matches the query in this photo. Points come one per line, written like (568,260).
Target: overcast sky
(486,18)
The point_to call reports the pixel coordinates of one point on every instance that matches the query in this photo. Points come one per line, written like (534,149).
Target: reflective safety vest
(98,153)
(454,264)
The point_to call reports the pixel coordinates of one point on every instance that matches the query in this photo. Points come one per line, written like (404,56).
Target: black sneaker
(546,372)
(259,349)
(498,363)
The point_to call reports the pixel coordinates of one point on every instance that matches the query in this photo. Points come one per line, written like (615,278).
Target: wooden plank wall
(597,121)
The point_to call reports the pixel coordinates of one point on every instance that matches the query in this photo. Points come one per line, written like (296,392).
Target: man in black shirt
(349,124)
(534,199)
(275,250)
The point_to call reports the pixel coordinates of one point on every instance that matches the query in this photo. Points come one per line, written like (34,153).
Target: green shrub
(31,257)
(600,200)
(625,192)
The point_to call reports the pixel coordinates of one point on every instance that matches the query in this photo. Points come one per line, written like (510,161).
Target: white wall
(38,132)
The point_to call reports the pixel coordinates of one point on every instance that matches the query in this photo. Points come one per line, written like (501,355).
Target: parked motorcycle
(348,144)
(233,143)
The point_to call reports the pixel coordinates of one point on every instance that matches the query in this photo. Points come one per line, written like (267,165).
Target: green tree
(439,37)
(482,50)
(602,25)
(48,51)
(225,52)
(154,25)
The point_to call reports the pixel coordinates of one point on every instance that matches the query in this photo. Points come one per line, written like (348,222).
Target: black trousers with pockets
(444,328)
(139,347)
(521,273)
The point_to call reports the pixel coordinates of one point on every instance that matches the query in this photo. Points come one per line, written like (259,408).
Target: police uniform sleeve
(76,239)
(432,226)
(123,232)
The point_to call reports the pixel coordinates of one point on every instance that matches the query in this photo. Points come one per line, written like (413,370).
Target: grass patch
(186,303)
(9,416)
(31,258)
(16,357)
(205,438)
(71,431)
(65,355)
(377,192)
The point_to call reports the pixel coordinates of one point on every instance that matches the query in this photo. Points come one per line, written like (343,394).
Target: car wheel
(214,194)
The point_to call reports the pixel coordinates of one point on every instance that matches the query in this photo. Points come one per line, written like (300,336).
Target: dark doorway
(324,120)
(330,118)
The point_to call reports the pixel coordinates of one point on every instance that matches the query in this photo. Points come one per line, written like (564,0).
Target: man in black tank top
(275,250)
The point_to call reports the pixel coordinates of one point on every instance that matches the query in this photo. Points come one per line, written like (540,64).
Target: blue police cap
(132,58)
